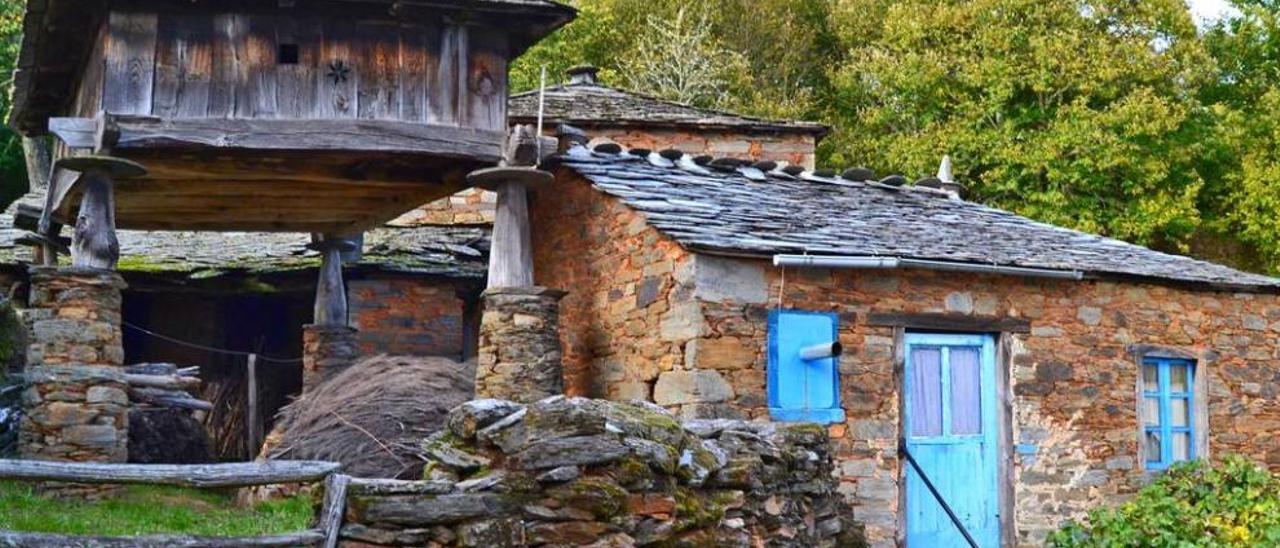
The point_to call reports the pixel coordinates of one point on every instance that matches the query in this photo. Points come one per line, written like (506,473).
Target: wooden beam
(950,322)
(49,540)
(240,474)
(335,505)
(137,132)
(94,244)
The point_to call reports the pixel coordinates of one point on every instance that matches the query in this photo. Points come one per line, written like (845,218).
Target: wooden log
(151,369)
(239,474)
(252,420)
(48,540)
(139,132)
(335,505)
(167,382)
(94,244)
(511,253)
(168,398)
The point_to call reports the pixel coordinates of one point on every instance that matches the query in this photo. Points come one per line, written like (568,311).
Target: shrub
(1235,503)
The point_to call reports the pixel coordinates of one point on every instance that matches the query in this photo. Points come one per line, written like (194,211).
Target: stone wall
(578,472)
(628,313)
(519,356)
(327,350)
(408,316)
(76,401)
(1073,376)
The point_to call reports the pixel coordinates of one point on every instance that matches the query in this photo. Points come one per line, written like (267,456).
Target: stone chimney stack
(583,75)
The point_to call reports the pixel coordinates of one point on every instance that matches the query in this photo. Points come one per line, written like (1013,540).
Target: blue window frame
(803,390)
(1168,411)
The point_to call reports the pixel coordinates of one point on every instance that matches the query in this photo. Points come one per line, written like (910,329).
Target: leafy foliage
(13,168)
(1236,503)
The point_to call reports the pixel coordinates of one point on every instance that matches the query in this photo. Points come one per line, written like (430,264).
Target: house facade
(1032,372)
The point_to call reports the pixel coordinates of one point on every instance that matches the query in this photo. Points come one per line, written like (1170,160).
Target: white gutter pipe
(821,351)
(863,262)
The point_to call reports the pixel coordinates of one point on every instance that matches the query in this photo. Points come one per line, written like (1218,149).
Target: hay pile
(373,416)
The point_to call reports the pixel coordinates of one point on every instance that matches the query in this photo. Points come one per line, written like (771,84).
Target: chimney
(583,75)
(949,183)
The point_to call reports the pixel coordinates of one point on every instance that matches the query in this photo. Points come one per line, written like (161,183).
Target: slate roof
(746,212)
(584,102)
(454,252)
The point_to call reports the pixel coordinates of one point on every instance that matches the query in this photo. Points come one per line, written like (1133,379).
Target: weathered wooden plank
(184,66)
(229,29)
(418,44)
(378,59)
(168,398)
(252,418)
(314,135)
(486,79)
(256,84)
(130,62)
(239,474)
(299,82)
(443,93)
(950,322)
(336,96)
(49,540)
(89,91)
(335,505)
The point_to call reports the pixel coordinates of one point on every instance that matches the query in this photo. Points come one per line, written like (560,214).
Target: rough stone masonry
(581,472)
(76,400)
(519,356)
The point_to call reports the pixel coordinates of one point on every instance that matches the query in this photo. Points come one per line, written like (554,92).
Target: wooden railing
(199,476)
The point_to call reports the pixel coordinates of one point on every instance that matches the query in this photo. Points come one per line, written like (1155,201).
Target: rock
(507,434)
(681,387)
(440,450)
(560,475)
(492,533)
(570,533)
(417,511)
(106,394)
(466,419)
(575,451)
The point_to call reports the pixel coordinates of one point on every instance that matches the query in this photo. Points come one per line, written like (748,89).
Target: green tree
(13,169)
(1081,114)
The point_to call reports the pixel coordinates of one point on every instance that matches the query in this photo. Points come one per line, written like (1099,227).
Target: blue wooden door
(950,421)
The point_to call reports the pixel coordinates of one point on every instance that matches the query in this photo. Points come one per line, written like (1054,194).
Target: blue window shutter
(799,390)
(1160,436)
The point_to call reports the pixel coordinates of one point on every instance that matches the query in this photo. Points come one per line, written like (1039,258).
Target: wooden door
(950,424)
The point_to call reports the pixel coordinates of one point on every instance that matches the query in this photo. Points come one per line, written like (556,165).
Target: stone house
(634,120)
(1032,371)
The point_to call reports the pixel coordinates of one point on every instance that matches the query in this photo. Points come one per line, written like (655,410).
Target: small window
(287,54)
(803,378)
(1168,410)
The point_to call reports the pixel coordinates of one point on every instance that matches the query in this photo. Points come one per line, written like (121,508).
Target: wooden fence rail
(240,474)
(244,474)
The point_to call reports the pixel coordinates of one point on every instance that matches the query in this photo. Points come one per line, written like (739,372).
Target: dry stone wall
(579,472)
(76,401)
(520,357)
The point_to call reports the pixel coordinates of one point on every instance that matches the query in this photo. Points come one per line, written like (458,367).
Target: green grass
(144,510)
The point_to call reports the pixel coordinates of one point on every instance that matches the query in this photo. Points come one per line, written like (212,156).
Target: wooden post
(331,293)
(94,244)
(511,253)
(252,421)
(39,159)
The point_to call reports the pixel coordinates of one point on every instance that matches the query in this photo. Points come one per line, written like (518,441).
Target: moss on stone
(603,498)
(694,510)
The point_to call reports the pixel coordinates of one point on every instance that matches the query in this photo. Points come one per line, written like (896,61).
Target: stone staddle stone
(520,355)
(326,351)
(76,402)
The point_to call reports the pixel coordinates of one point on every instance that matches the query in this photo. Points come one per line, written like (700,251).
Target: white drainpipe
(863,262)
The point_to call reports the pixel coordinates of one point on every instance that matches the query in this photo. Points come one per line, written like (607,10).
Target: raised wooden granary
(323,116)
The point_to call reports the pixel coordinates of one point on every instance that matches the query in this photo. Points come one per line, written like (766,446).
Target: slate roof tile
(734,214)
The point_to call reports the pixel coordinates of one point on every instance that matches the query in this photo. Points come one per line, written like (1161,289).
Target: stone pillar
(326,351)
(76,402)
(520,355)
